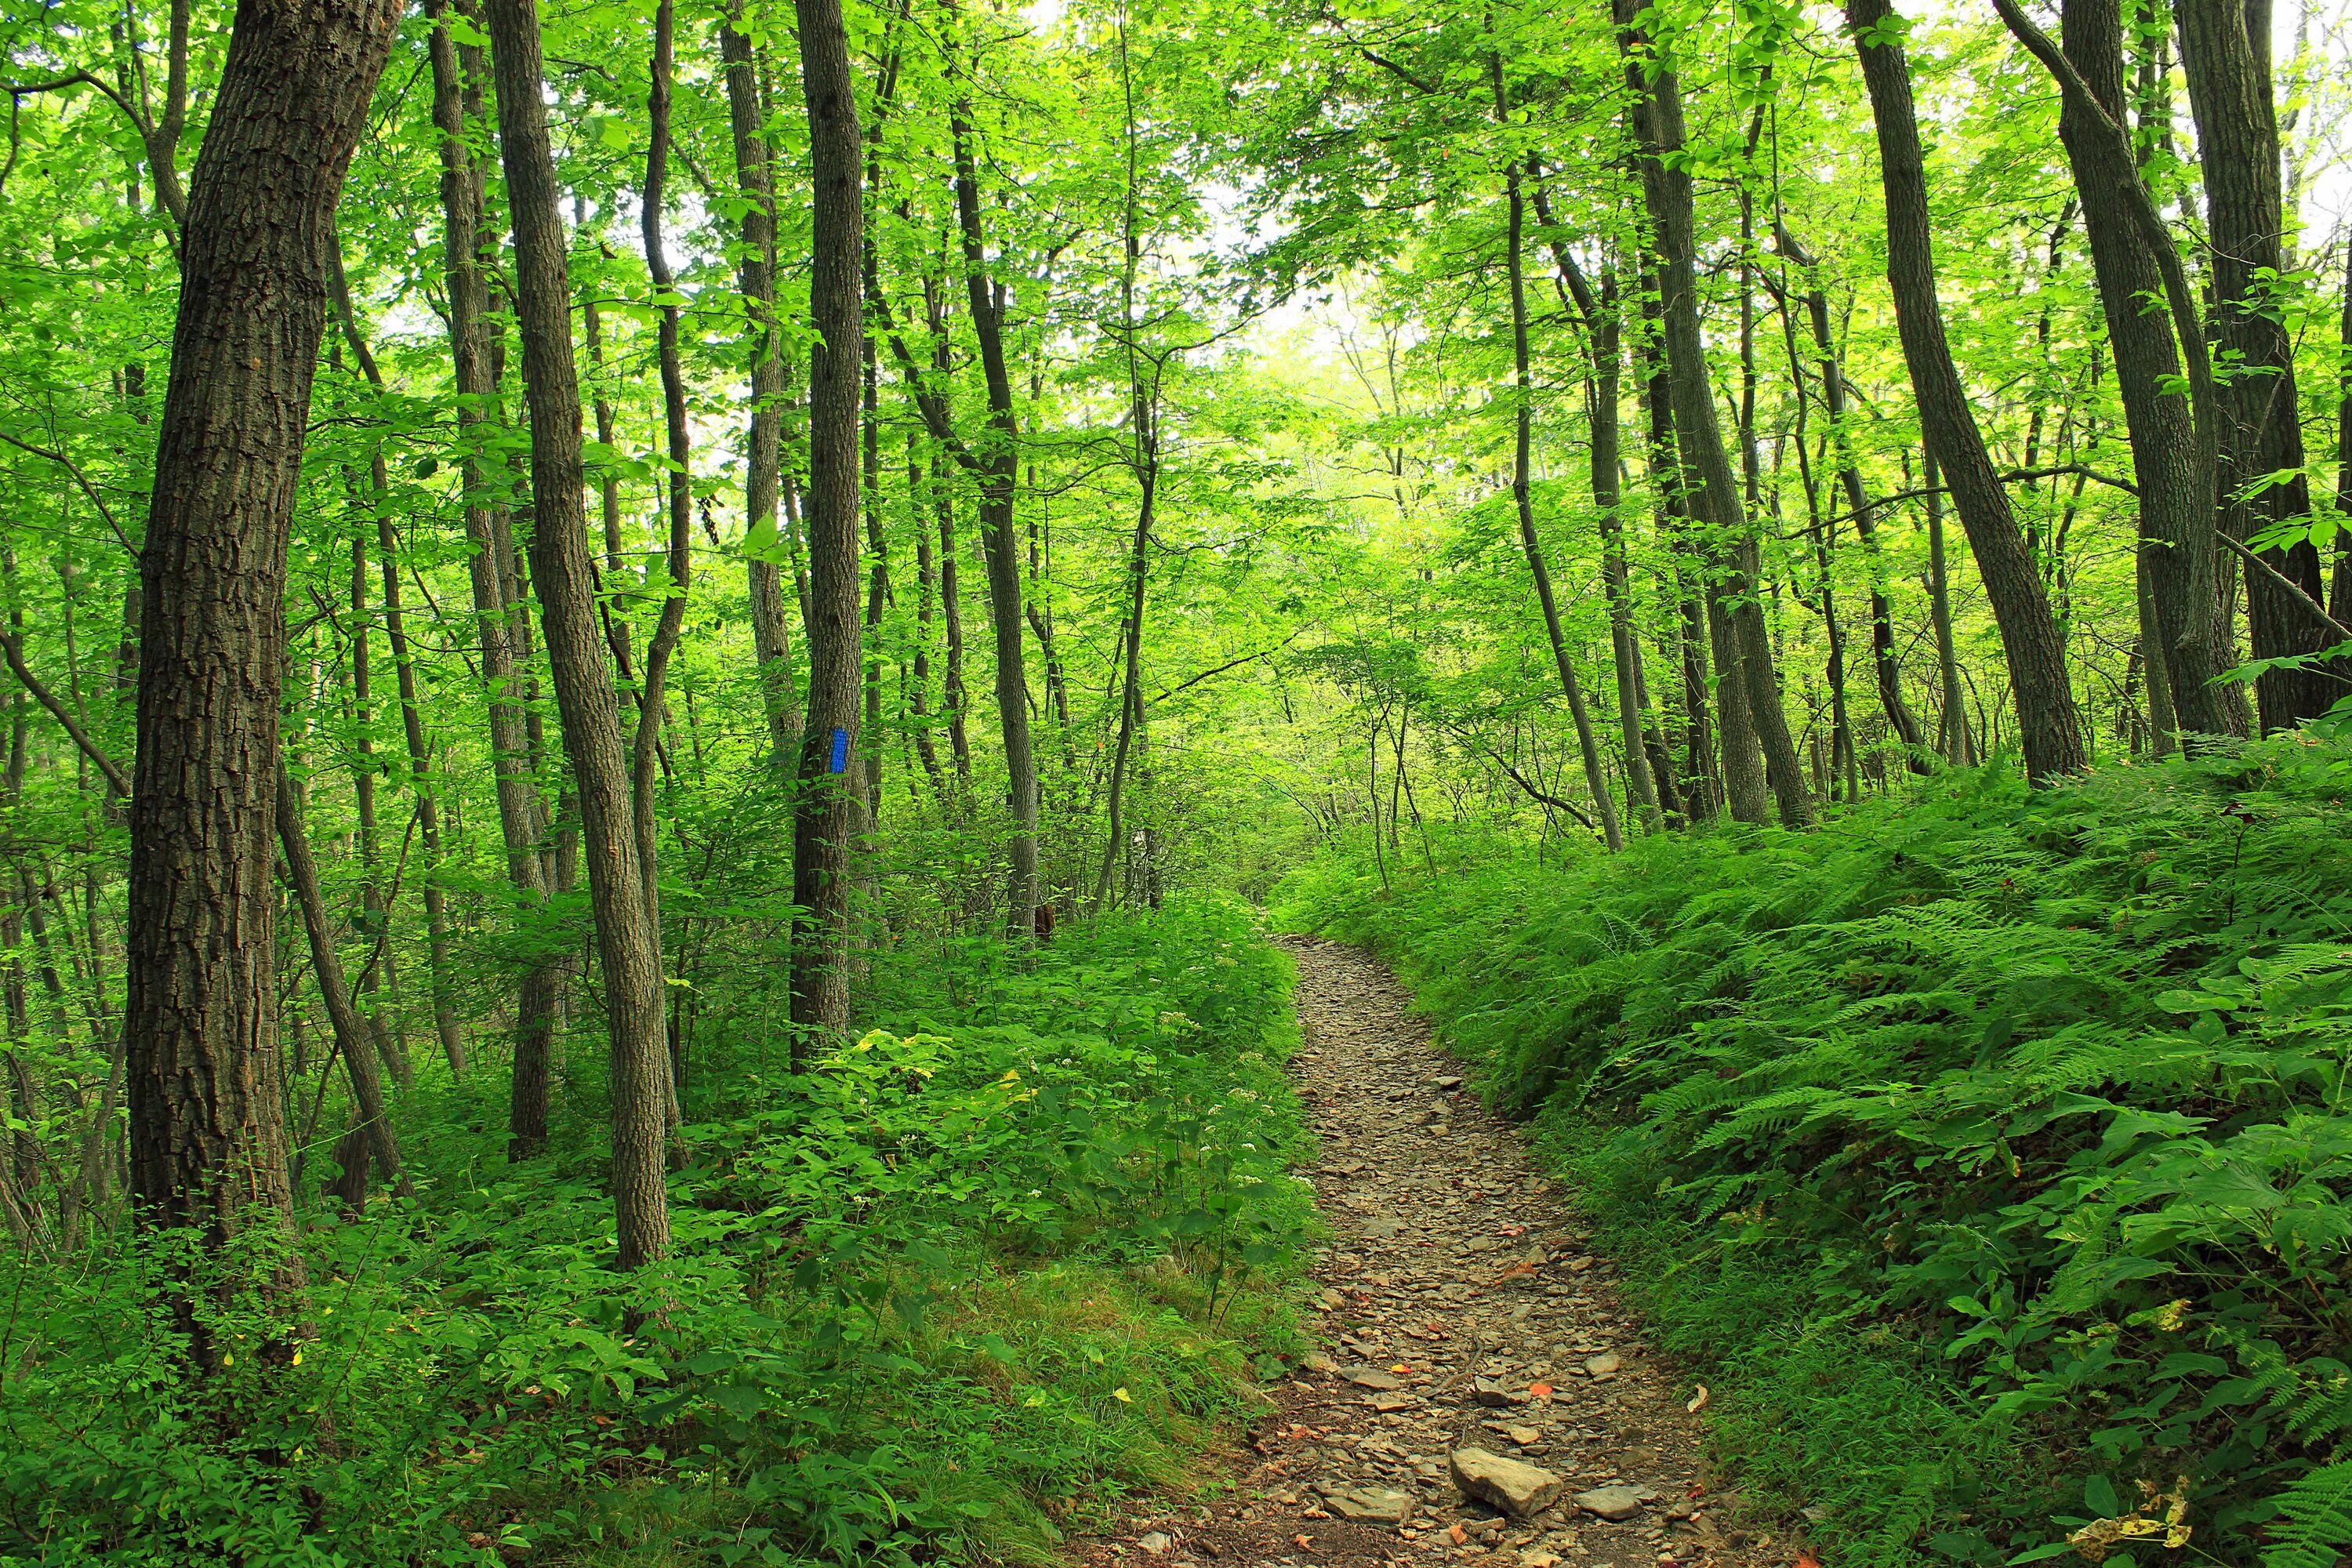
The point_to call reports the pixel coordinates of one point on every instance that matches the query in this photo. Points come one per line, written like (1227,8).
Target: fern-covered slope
(2040,1097)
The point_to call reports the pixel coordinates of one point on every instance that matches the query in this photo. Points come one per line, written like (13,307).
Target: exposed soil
(1460,1310)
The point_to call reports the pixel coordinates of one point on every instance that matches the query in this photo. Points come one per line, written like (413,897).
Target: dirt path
(1460,1312)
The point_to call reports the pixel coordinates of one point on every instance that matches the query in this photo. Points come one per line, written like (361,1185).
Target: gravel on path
(1482,1397)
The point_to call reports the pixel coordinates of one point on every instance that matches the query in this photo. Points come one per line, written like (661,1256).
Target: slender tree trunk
(1523,489)
(563,571)
(645,760)
(207,1141)
(367,1089)
(1702,795)
(1744,656)
(999,464)
(755,177)
(460,71)
(1959,744)
(2163,724)
(825,816)
(412,713)
(953,696)
(1885,663)
(2225,47)
(2045,700)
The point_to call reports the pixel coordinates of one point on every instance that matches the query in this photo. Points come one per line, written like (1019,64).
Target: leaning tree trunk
(824,817)
(207,1140)
(1523,497)
(367,1086)
(2225,48)
(1744,655)
(563,573)
(2047,722)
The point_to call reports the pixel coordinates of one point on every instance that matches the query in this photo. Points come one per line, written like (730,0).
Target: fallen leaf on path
(1805,1559)
(1303,1541)
(1458,1535)
(1697,1400)
(1539,1390)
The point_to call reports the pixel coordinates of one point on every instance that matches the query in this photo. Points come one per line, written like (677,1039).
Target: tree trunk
(2225,50)
(1885,663)
(645,757)
(1744,654)
(2045,702)
(563,573)
(2175,499)
(998,465)
(351,1038)
(1702,795)
(460,71)
(411,712)
(825,814)
(1523,491)
(207,1142)
(755,176)
(1959,744)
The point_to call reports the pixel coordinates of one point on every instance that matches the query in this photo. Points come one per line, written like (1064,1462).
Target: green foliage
(967,1277)
(2002,1133)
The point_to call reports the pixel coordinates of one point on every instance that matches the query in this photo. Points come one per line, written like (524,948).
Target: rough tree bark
(207,1142)
(563,573)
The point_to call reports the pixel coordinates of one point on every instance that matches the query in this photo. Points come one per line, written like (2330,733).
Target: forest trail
(1456,1282)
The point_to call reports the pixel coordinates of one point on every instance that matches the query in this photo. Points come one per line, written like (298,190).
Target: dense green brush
(1995,1143)
(980,1272)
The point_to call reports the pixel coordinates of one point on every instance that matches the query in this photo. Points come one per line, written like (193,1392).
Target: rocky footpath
(1482,1397)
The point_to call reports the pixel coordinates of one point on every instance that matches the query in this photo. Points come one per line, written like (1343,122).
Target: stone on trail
(1369,1504)
(1157,1543)
(1372,1377)
(1604,1366)
(1493,1394)
(1610,1502)
(1516,1487)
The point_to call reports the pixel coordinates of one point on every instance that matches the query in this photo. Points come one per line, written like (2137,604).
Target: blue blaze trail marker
(840,764)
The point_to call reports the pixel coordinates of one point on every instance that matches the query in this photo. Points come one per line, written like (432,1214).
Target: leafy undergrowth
(1990,1147)
(967,1281)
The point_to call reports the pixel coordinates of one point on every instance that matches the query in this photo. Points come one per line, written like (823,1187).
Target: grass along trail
(1483,1397)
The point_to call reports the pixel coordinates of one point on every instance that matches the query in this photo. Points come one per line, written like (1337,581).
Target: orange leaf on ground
(1539,1390)
(1805,1559)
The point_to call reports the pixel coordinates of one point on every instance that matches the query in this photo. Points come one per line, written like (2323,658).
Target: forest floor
(1474,1344)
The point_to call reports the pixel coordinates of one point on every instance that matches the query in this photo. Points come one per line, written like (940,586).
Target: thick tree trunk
(1744,655)
(2047,723)
(2225,48)
(755,273)
(207,1142)
(563,573)
(825,816)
